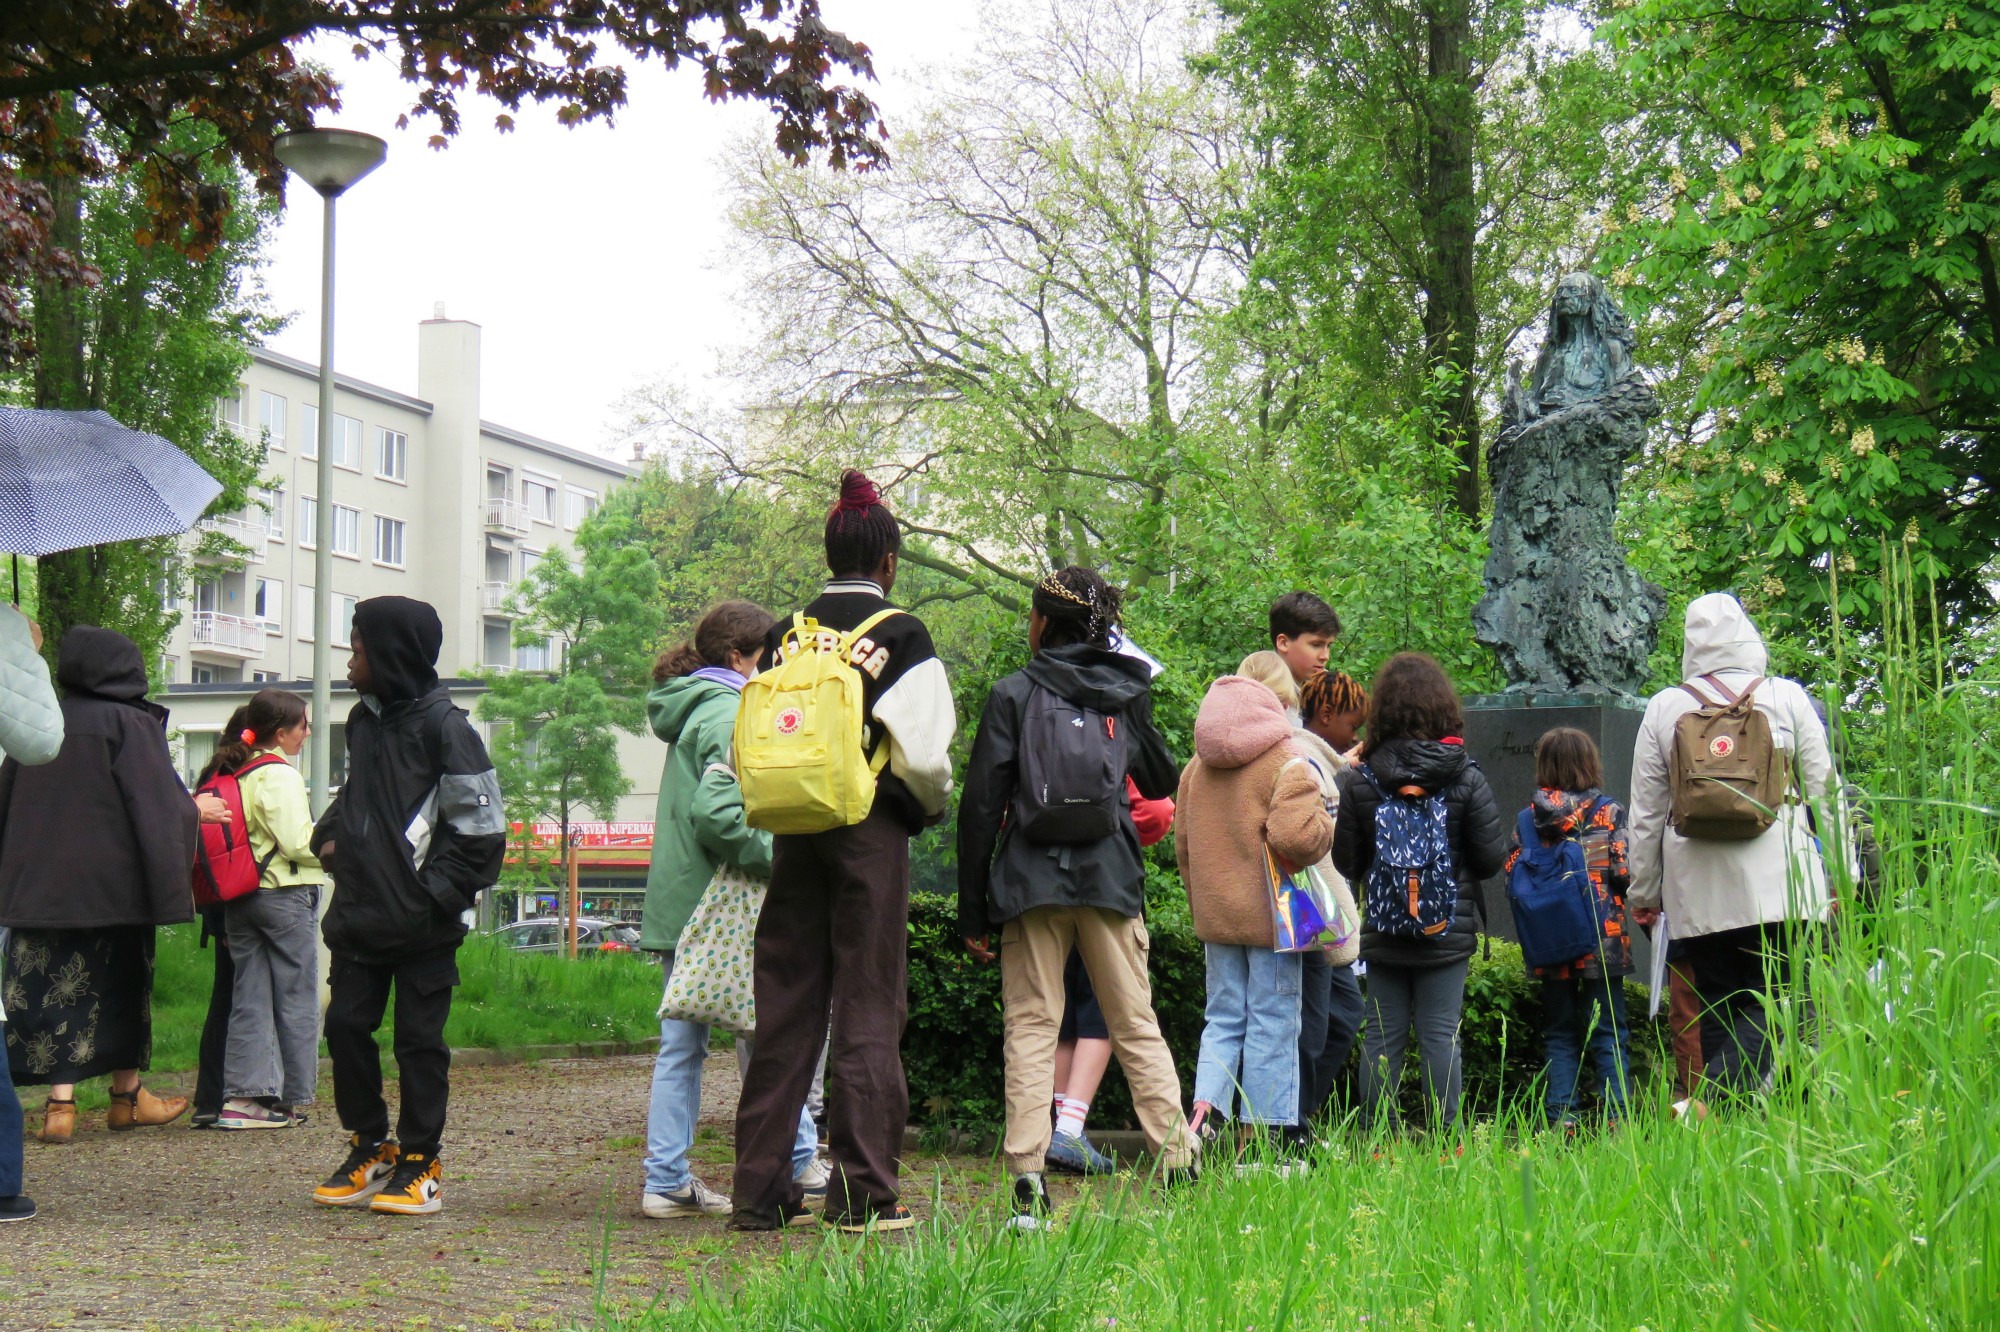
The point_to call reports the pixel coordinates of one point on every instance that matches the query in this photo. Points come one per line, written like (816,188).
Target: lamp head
(330,160)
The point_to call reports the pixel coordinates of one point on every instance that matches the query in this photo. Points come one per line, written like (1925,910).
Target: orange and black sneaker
(361,1176)
(416,1189)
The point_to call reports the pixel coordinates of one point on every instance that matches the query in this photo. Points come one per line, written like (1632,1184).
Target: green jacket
(700,821)
(274,805)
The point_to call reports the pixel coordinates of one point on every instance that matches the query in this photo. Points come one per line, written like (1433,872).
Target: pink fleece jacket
(1244,787)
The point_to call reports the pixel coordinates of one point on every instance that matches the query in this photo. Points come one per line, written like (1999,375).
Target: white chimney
(437,311)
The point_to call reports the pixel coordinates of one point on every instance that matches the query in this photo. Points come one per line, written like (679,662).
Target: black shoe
(1031,1204)
(786,1216)
(894,1217)
(20,1207)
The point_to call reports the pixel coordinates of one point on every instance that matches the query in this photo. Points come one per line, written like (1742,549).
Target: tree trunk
(66,583)
(1451,304)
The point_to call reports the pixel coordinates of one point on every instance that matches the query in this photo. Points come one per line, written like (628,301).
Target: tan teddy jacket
(1246,785)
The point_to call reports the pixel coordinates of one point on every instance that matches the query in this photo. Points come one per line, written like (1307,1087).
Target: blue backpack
(1412,888)
(1556,911)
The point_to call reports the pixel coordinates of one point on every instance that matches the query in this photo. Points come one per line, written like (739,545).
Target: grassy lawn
(1861,1194)
(505,999)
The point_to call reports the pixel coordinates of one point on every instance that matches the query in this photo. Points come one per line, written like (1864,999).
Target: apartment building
(429,501)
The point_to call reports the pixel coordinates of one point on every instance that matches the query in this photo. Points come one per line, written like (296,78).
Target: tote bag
(713,975)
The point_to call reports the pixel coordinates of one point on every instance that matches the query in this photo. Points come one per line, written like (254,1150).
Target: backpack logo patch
(1722,746)
(790,720)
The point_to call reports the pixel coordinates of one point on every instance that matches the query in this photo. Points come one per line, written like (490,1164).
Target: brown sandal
(139,1108)
(58,1121)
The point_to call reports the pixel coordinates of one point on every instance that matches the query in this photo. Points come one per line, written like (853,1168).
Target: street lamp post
(329,160)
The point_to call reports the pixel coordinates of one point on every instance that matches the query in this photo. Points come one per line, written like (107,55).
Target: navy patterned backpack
(1412,888)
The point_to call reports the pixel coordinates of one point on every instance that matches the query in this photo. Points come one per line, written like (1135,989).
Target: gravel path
(173,1229)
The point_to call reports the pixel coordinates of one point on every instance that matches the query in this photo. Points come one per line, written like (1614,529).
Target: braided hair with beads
(1078,606)
(1334,690)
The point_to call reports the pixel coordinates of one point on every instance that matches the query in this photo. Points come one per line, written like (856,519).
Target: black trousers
(423,988)
(1734,971)
(832,942)
(1330,1015)
(215,1027)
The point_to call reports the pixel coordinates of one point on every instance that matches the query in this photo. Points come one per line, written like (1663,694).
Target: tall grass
(1863,1192)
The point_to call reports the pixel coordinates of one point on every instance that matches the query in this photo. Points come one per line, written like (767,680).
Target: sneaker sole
(430,1208)
(679,1213)
(352,1199)
(25,1216)
(238,1125)
(877,1224)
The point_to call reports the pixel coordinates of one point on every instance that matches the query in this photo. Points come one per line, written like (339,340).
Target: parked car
(550,934)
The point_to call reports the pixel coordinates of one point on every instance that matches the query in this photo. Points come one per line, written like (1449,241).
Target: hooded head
(398,639)
(1720,637)
(1238,721)
(101,662)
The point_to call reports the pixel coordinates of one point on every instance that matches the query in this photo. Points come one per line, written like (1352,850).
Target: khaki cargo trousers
(1034,947)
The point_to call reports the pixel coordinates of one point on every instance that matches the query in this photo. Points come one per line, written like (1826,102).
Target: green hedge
(952,1048)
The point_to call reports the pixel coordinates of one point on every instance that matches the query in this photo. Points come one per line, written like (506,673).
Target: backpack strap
(1703,699)
(861,630)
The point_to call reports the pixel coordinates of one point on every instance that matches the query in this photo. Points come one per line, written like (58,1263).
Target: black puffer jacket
(1108,873)
(105,835)
(1473,827)
(417,831)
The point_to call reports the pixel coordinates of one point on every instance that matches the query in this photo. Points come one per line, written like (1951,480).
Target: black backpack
(1071,786)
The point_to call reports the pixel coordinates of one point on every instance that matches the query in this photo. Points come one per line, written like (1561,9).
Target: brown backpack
(1728,774)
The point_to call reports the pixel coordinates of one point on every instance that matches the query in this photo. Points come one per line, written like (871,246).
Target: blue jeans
(676,1103)
(1251,1037)
(1579,1013)
(10,1125)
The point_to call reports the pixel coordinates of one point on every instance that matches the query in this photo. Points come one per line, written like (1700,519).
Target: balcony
(506,516)
(226,635)
(249,532)
(493,597)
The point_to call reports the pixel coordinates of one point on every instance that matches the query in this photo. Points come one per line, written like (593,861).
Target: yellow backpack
(800,756)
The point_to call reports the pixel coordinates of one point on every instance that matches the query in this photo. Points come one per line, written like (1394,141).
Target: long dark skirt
(79,1003)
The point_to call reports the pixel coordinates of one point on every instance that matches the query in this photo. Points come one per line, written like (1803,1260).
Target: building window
(343,617)
(204,674)
(533,657)
(274,512)
(493,646)
(499,483)
(271,416)
(346,531)
(197,748)
(389,541)
(229,410)
(539,499)
(346,438)
(269,604)
(392,455)
(308,522)
(265,677)
(529,560)
(582,504)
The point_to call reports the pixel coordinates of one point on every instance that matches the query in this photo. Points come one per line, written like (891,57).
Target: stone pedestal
(1501,731)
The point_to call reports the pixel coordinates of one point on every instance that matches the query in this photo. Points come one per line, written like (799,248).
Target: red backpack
(225,868)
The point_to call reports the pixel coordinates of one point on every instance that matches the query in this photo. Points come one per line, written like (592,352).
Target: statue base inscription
(1501,731)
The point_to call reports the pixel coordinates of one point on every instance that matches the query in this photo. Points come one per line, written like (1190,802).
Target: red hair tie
(247,736)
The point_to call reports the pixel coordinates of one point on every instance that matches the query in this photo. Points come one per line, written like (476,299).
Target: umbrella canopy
(70,479)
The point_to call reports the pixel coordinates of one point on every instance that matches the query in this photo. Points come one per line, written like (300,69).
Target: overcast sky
(594,258)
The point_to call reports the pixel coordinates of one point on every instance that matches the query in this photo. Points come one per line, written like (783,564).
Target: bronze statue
(1562,610)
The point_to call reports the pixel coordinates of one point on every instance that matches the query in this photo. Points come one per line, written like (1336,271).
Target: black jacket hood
(1431,764)
(402,638)
(102,663)
(1093,677)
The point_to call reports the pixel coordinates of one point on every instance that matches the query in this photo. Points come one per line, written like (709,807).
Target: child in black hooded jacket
(414,837)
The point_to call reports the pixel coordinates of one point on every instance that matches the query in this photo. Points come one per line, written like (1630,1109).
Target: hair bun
(857,492)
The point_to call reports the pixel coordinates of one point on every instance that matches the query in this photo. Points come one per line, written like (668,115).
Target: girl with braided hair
(1049,852)
(1332,708)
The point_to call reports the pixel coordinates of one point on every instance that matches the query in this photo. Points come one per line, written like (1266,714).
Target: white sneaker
(815,1177)
(696,1200)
